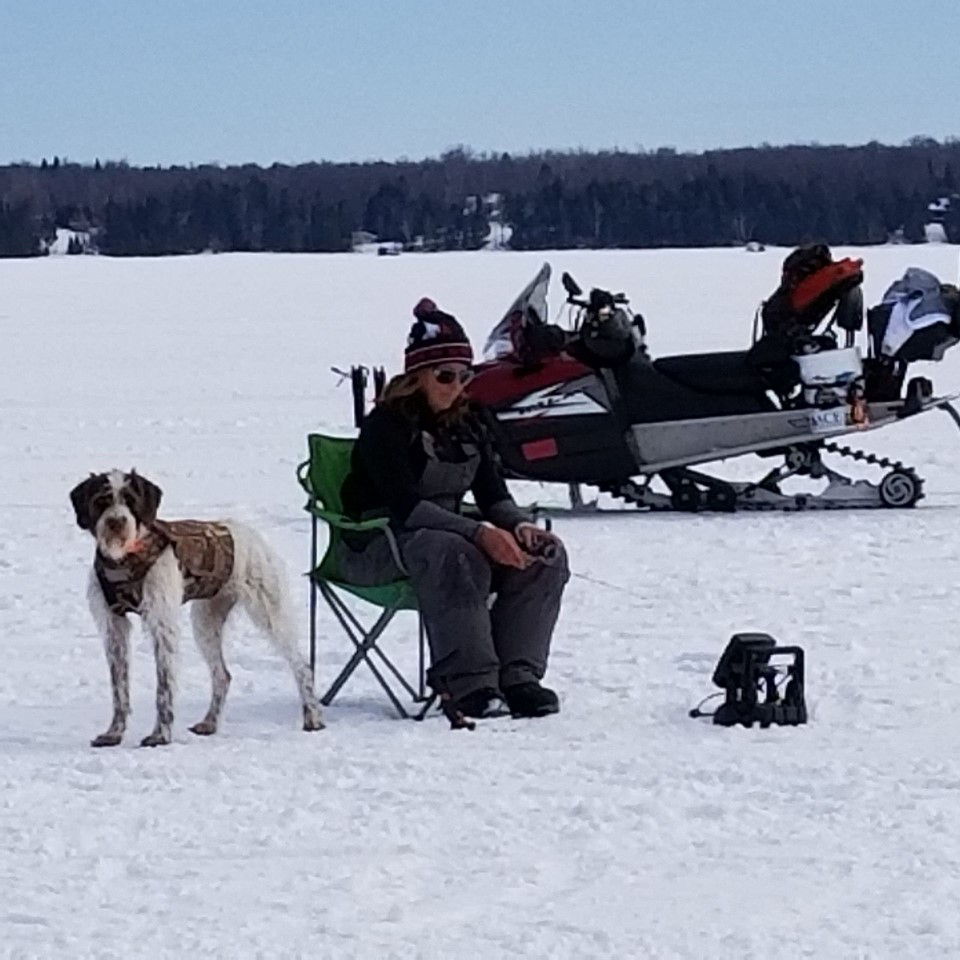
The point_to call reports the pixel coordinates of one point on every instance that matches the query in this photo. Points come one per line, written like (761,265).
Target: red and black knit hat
(435,337)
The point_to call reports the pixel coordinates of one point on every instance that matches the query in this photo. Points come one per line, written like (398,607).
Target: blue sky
(172,81)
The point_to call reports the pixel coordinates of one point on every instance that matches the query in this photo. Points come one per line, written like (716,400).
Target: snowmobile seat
(725,373)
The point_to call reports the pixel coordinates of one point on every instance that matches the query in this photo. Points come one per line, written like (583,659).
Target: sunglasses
(446,376)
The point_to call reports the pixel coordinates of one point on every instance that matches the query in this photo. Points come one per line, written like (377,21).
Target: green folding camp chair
(322,476)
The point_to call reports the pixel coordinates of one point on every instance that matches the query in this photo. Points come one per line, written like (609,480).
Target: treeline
(781,195)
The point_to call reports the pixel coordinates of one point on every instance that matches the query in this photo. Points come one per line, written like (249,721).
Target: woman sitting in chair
(419,451)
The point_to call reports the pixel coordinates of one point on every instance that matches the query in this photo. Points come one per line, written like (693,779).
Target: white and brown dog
(150,567)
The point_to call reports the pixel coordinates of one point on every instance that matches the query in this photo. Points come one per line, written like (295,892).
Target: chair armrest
(303,477)
(341,522)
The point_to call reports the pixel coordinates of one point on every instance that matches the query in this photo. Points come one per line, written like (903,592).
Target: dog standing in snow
(150,567)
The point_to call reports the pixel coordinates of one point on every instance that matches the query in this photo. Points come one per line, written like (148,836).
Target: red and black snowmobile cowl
(553,421)
(567,415)
(550,408)
(566,420)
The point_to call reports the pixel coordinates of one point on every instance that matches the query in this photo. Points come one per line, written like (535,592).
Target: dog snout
(115,524)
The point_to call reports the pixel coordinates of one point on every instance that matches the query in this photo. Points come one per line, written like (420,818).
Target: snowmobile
(586,404)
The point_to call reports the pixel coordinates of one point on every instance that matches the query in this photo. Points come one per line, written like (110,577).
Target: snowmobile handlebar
(598,298)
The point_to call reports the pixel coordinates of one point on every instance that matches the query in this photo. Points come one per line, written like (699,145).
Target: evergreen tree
(784,195)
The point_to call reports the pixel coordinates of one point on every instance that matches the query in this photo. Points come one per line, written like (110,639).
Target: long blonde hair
(400,387)
(404,390)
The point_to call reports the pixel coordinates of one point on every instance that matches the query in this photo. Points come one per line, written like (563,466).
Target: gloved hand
(539,543)
(501,547)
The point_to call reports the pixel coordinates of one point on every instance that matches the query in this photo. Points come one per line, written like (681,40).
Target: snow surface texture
(620,828)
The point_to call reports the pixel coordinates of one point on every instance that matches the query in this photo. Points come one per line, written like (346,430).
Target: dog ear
(80,497)
(147,494)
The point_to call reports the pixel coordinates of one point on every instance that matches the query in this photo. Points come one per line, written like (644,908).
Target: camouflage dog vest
(204,553)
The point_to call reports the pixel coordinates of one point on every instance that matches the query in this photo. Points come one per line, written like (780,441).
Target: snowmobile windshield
(507,338)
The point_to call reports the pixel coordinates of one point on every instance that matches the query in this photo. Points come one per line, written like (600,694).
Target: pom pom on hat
(435,337)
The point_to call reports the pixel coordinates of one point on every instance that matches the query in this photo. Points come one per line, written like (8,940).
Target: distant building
(934,230)
(362,238)
(71,242)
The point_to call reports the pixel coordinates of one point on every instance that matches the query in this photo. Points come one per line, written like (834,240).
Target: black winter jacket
(388,462)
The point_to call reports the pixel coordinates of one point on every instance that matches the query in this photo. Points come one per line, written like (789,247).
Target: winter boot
(531,700)
(482,703)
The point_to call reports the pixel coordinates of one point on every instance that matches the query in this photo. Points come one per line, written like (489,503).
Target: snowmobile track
(901,488)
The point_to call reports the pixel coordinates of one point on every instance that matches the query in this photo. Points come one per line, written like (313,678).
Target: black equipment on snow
(751,684)
(359,377)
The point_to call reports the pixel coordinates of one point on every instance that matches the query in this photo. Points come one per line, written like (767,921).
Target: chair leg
(362,654)
(313,597)
(400,678)
(365,643)
(388,690)
(421,659)
(362,647)
(362,651)
(370,645)
(428,702)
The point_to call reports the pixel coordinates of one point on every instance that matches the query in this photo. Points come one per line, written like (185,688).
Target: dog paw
(155,740)
(107,740)
(204,728)
(312,720)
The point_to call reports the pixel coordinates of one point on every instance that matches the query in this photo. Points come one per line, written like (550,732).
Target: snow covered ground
(620,828)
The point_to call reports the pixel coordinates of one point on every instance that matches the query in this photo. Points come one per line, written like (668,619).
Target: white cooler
(826,376)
